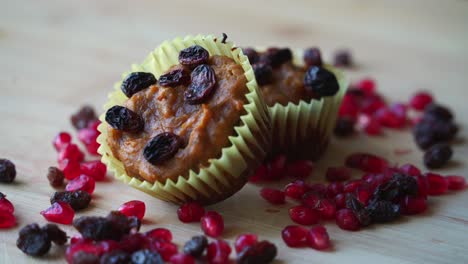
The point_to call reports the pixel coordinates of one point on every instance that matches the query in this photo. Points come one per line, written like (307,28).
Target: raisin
(275,57)
(83,257)
(162,147)
(196,246)
(193,56)
(112,227)
(344,126)
(122,118)
(7,171)
(383,211)
(429,132)
(358,208)
(312,57)
(343,58)
(202,86)
(78,200)
(263,73)
(33,240)
(83,117)
(437,156)
(145,256)
(399,186)
(115,257)
(56,177)
(137,81)
(439,112)
(174,78)
(320,81)
(260,253)
(124,223)
(55,234)
(251,54)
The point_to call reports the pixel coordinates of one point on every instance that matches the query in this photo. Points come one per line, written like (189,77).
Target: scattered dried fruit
(437,156)
(33,240)
(83,117)
(7,171)
(312,57)
(195,246)
(78,200)
(56,177)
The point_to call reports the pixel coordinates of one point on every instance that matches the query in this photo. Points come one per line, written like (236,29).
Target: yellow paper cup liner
(223,176)
(303,130)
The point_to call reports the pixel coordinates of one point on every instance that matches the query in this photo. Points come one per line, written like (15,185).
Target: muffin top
(168,127)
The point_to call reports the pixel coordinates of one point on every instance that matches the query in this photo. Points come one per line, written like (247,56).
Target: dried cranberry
(273,196)
(346,219)
(174,78)
(33,240)
(124,119)
(338,174)
(161,234)
(115,257)
(294,236)
(344,126)
(420,100)
(251,54)
(162,147)
(383,211)
(83,117)
(437,156)
(193,56)
(437,184)
(318,238)
(454,182)
(7,171)
(218,252)
(61,140)
(343,58)
(190,212)
(133,208)
(312,57)
(83,183)
(263,73)
(137,81)
(59,212)
(55,234)
(366,162)
(56,177)
(262,252)
(304,215)
(245,240)
(321,81)
(438,112)
(202,85)
(212,224)
(182,259)
(276,56)
(195,246)
(146,256)
(78,200)
(95,169)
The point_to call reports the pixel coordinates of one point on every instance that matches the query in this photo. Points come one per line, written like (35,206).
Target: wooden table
(58,55)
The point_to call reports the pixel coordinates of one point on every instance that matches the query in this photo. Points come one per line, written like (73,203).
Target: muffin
(303,96)
(189,124)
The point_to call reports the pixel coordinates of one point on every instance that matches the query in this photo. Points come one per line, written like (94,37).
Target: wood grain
(57,55)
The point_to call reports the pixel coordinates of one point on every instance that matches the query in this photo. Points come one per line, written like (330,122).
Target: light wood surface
(57,55)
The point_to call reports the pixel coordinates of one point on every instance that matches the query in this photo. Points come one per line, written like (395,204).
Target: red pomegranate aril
(437,184)
(351,186)
(347,220)
(212,224)
(59,212)
(296,189)
(326,208)
(370,125)
(456,182)
(318,238)
(363,194)
(366,85)
(83,246)
(218,252)
(420,100)
(423,186)
(366,162)
(165,249)
(410,169)
(182,259)
(300,168)
(82,182)
(372,104)
(304,215)
(334,188)
(133,208)
(7,220)
(107,246)
(87,135)
(261,174)
(334,174)
(5,205)
(71,152)
(310,199)
(95,169)
(161,234)
(245,240)
(277,168)
(413,205)
(70,168)
(273,196)
(92,148)
(61,140)
(190,212)
(136,241)
(391,118)
(340,201)
(294,236)
(348,108)
(318,188)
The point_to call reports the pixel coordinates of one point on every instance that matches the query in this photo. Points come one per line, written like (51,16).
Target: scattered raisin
(33,240)
(202,86)
(137,81)
(251,54)
(321,81)
(383,211)
(55,234)
(82,257)
(115,257)
(437,156)
(78,200)
(97,228)
(122,118)
(439,112)
(358,208)
(145,256)
(83,117)
(343,58)
(196,246)
(193,56)
(55,177)
(263,73)
(174,78)
(162,147)
(429,132)
(399,186)
(7,171)
(344,126)
(312,57)
(124,223)
(260,253)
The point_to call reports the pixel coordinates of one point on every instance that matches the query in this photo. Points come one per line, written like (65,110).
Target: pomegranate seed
(82,182)
(5,205)
(165,249)
(87,135)
(318,238)
(366,162)
(70,168)
(372,104)
(437,184)
(294,236)
(218,252)
(303,215)
(260,174)
(300,168)
(351,186)
(61,140)
(363,194)
(348,108)
(71,152)
(7,219)
(340,201)
(92,148)
(182,259)
(277,168)
(310,199)
(212,224)
(366,85)
(83,246)
(338,174)
(296,189)
(318,188)
(456,182)
(420,100)
(410,169)
(94,124)
(95,169)
(273,196)
(370,125)
(190,212)
(245,240)
(392,117)
(161,234)
(413,205)
(347,220)
(136,241)
(59,212)
(334,188)
(133,208)
(107,246)
(326,209)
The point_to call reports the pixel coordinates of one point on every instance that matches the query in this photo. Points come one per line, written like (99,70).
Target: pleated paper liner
(224,175)
(303,130)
